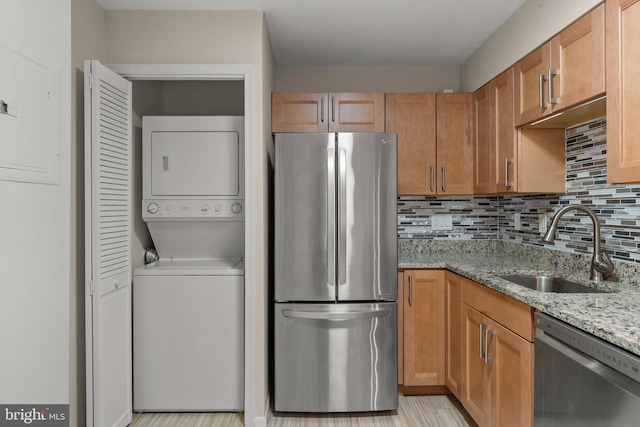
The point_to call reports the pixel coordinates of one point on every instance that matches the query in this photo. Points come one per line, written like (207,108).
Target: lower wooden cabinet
(453,333)
(474,340)
(497,383)
(424,327)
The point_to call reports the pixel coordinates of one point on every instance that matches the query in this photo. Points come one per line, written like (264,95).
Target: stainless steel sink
(550,284)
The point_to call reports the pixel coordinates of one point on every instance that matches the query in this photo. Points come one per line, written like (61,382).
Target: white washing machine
(188,307)
(188,352)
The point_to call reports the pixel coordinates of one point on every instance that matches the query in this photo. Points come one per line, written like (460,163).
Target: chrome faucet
(600,263)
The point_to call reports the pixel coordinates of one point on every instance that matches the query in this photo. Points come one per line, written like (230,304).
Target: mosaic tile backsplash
(494,217)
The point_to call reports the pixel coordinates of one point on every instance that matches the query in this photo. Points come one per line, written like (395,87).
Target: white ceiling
(361,32)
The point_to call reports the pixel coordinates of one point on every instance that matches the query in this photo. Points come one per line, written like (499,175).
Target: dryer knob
(152,208)
(236,208)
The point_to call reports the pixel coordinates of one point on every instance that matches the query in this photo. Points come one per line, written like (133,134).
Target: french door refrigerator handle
(331,216)
(346,315)
(342,216)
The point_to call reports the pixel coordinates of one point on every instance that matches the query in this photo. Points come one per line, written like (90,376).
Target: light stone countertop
(613,316)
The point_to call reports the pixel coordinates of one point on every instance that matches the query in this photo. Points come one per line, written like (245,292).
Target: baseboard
(262,421)
(423,390)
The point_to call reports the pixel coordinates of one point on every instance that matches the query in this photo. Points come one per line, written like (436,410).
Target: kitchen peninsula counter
(612,316)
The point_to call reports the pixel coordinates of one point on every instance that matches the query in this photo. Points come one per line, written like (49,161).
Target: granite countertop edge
(613,317)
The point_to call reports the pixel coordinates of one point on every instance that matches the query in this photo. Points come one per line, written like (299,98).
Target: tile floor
(413,411)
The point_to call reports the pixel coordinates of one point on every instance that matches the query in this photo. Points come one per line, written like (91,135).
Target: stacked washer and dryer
(188,306)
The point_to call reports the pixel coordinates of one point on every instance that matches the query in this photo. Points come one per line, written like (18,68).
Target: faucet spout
(601,264)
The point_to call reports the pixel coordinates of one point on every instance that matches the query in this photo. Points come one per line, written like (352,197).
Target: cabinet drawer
(510,313)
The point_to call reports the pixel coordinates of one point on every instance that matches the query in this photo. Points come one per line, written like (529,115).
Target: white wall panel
(34,231)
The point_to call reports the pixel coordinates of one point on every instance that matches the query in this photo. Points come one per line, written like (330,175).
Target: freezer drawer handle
(298,314)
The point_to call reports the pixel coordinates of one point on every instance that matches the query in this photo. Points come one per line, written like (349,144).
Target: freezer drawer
(335,357)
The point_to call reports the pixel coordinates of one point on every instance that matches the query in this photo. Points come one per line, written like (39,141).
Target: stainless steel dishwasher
(581,380)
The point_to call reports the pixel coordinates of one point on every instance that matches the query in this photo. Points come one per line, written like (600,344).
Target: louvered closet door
(108,235)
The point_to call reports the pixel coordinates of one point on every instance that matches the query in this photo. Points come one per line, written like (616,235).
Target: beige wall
(531,25)
(367,79)
(146,37)
(88,41)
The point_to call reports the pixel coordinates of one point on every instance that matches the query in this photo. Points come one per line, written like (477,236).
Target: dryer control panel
(192,209)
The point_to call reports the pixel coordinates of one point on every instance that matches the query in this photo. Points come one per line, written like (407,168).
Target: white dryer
(188,307)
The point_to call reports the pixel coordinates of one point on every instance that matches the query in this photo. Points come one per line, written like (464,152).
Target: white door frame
(243,72)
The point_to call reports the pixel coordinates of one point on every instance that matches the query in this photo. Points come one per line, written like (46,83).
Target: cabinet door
(453,333)
(299,112)
(454,143)
(504,134)
(577,58)
(531,84)
(413,117)
(484,164)
(511,377)
(475,395)
(400,328)
(623,87)
(423,327)
(356,112)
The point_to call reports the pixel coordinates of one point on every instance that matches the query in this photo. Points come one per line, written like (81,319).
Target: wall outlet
(517,221)
(441,222)
(542,223)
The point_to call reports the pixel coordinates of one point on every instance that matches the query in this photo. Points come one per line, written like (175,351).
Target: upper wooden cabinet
(413,117)
(435,142)
(454,143)
(483,143)
(327,112)
(511,160)
(623,90)
(564,72)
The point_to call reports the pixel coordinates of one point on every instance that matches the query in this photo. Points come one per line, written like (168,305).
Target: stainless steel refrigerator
(336,279)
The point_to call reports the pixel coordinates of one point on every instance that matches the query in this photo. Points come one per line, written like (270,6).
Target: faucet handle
(602,263)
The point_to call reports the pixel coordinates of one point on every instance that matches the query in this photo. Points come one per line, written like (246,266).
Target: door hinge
(90,80)
(89,288)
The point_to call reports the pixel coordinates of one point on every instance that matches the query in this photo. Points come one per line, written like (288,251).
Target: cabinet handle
(488,360)
(550,98)
(507,161)
(431,177)
(541,80)
(333,108)
(322,109)
(444,183)
(480,344)
(410,290)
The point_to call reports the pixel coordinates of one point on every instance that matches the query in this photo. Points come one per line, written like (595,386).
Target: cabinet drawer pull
(541,79)
(507,161)
(410,290)
(444,183)
(550,98)
(431,177)
(333,108)
(488,360)
(322,110)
